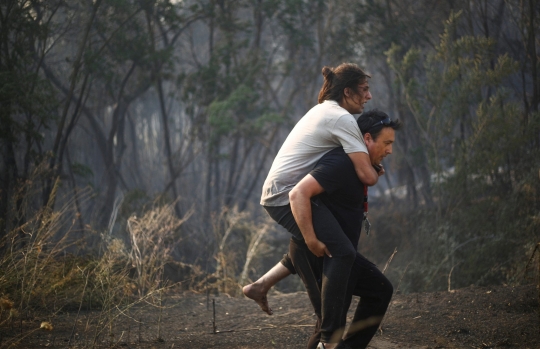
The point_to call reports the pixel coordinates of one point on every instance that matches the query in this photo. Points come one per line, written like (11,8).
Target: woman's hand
(380,169)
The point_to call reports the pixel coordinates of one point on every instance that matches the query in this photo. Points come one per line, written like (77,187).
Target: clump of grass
(152,238)
(34,267)
(48,265)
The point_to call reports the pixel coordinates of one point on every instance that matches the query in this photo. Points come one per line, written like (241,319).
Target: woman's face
(353,101)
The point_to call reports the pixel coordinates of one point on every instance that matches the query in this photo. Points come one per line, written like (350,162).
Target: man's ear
(347,92)
(368,139)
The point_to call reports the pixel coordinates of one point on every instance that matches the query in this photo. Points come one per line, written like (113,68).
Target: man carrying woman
(326,126)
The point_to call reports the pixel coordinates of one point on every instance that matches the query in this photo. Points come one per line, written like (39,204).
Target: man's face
(354,102)
(382,146)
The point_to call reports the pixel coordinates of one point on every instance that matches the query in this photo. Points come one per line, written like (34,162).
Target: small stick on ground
(214,316)
(384,271)
(271,327)
(397,289)
(117,344)
(140,325)
(160,316)
(79,310)
(450,279)
(401,278)
(207,295)
(389,260)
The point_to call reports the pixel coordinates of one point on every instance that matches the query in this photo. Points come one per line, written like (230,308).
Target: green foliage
(474,139)
(82,170)
(461,73)
(240,113)
(378,25)
(296,15)
(226,116)
(135,203)
(28,101)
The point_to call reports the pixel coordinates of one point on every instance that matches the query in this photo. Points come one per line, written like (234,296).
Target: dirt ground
(474,317)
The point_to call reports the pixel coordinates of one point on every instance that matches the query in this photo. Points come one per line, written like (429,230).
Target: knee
(347,253)
(387,291)
(350,256)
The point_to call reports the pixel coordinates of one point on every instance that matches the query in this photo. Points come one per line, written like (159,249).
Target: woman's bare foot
(257,292)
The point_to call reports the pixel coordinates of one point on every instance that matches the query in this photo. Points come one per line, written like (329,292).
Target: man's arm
(300,199)
(364,169)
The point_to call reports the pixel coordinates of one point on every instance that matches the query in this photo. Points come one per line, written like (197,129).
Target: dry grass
(52,262)
(43,272)
(152,237)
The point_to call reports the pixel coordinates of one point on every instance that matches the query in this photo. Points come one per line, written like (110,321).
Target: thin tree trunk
(208,187)
(239,172)
(112,163)
(533,56)
(262,162)
(164,116)
(232,171)
(75,192)
(76,67)
(71,126)
(167,141)
(136,168)
(9,180)
(217,179)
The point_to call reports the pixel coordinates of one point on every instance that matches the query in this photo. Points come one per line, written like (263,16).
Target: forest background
(135,136)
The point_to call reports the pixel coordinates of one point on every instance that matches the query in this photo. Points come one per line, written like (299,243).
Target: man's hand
(318,248)
(300,199)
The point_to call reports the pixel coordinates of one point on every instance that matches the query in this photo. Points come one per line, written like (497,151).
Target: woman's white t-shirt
(323,128)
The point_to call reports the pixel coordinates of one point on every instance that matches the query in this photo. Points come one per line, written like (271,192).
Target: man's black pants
(365,281)
(336,270)
(330,279)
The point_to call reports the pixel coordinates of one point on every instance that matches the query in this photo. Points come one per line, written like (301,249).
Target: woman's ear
(347,92)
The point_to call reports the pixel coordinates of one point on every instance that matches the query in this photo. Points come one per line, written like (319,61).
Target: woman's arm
(364,169)
(347,133)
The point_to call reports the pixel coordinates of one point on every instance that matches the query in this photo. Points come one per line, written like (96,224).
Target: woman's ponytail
(328,75)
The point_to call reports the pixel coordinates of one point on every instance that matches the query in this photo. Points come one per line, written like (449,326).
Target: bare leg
(258,290)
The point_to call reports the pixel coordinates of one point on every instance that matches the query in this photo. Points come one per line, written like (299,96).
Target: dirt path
(500,317)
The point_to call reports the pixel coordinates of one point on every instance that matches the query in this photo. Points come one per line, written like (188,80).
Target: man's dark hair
(371,122)
(337,79)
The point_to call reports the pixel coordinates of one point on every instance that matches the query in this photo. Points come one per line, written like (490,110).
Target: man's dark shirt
(343,191)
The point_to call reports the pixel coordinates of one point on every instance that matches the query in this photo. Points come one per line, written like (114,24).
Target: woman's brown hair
(337,79)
